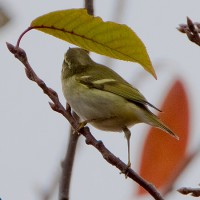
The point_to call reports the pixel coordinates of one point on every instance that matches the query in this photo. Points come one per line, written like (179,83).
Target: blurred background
(33,138)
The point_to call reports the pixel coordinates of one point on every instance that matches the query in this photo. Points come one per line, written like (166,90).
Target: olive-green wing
(122,89)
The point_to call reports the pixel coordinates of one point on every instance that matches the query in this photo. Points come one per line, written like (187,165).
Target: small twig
(192,191)
(192,31)
(57,106)
(89,6)
(67,166)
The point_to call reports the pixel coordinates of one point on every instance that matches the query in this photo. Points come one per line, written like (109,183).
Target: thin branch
(89,6)
(192,30)
(90,140)
(67,167)
(193,191)
(67,164)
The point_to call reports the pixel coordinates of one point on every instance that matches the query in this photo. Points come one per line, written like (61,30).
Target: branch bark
(67,166)
(89,5)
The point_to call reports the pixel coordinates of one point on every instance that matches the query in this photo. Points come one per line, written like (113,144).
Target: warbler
(103,98)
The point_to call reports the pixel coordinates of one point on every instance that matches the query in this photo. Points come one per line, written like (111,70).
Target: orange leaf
(162,155)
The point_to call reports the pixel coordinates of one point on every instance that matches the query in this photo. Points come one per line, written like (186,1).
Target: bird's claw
(125,171)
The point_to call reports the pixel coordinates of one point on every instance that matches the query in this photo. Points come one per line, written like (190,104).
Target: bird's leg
(128,136)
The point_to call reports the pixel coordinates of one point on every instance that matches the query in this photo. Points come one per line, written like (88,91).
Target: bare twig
(192,30)
(57,106)
(89,6)
(67,164)
(67,167)
(193,191)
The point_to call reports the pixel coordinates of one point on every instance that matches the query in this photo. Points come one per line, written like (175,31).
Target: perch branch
(57,106)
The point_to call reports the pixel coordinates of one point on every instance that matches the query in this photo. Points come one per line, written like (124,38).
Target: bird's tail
(155,121)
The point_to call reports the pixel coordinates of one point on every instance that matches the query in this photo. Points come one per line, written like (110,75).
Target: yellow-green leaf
(93,34)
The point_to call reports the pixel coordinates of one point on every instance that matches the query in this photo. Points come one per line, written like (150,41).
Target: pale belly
(106,111)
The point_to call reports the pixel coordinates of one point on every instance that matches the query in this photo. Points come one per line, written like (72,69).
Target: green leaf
(93,34)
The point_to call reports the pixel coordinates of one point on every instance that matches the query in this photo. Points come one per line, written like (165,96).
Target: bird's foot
(125,171)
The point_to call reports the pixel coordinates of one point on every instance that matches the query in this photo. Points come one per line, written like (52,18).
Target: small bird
(103,98)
